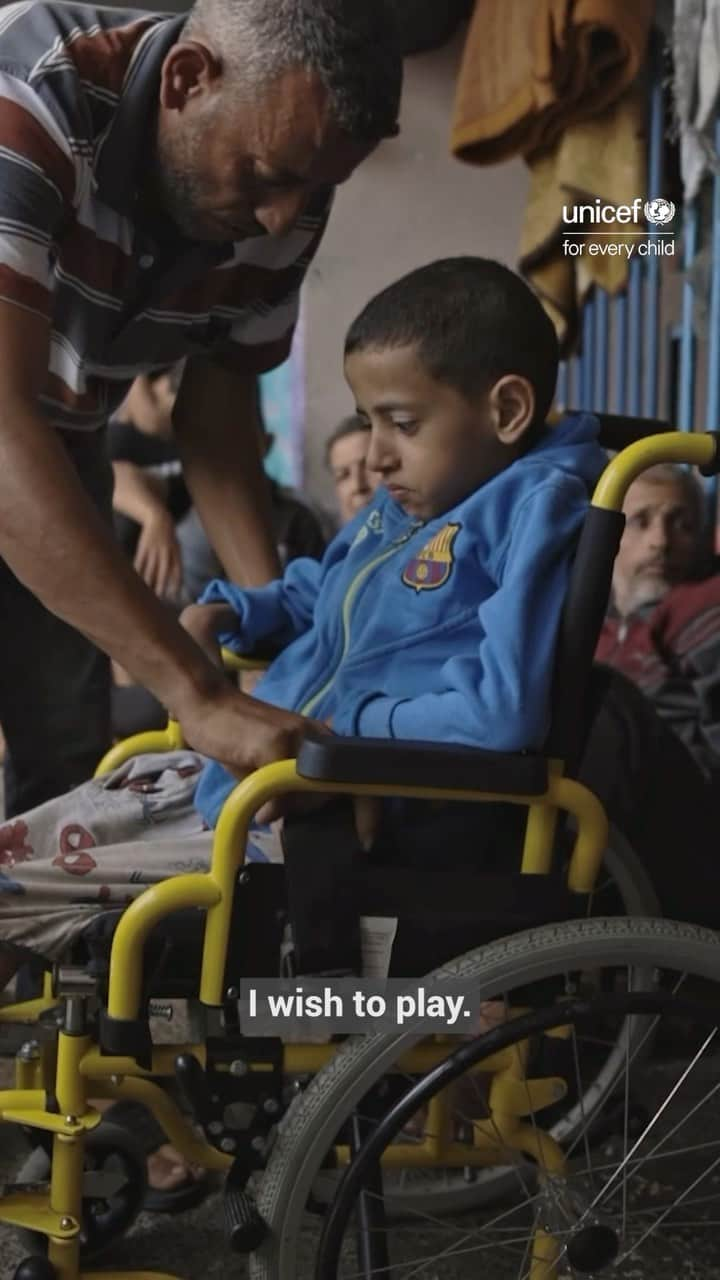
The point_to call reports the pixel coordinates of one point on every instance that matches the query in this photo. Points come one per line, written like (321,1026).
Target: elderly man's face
(229,167)
(659,546)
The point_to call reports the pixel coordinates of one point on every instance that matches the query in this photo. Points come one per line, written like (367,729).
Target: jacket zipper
(350,595)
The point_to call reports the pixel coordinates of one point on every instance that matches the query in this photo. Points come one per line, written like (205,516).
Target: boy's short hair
(346,427)
(472,321)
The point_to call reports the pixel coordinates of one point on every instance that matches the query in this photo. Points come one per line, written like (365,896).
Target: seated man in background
(663,626)
(345,457)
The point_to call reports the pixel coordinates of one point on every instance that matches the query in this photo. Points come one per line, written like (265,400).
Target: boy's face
(430,444)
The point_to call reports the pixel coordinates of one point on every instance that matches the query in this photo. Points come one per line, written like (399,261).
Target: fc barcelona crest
(432,566)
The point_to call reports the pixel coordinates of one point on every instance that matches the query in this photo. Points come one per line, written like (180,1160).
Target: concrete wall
(409,203)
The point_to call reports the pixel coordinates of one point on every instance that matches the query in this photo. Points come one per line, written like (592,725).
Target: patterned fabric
(101,845)
(78,91)
(671,650)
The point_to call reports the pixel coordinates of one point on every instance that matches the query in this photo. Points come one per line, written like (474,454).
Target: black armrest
(379,761)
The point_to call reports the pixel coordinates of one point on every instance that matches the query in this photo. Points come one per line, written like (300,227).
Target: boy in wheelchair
(433,615)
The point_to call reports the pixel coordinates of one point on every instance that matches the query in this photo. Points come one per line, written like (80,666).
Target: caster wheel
(35,1269)
(114,1186)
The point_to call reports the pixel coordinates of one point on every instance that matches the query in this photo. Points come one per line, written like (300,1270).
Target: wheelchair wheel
(624,889)
(590,976)
(114,1187)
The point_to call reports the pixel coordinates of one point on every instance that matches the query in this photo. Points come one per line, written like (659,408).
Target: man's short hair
(346,427)
(472,321)
(353,47)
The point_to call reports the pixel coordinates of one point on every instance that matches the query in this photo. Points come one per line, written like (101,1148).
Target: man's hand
(242,733)
(157,557)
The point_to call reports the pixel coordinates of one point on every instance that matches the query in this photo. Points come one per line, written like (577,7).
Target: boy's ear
(512,402)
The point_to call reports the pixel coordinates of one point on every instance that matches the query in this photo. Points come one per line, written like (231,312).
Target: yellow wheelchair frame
(74,1069)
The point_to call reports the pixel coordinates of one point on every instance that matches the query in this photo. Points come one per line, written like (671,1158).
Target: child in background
(346,459)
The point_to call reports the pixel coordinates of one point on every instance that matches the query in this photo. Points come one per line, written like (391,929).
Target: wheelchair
(536,1142)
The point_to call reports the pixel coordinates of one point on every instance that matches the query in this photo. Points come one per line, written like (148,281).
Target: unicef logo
(659,211)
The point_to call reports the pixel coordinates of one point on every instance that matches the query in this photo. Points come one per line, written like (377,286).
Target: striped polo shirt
(79,90)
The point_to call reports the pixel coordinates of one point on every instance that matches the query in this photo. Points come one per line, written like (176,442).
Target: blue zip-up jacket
(443,630)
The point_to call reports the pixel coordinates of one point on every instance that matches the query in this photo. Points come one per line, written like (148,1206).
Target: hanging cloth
(530,68)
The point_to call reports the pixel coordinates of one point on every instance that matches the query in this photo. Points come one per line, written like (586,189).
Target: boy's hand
(368,811)
(157,558)
(204,623)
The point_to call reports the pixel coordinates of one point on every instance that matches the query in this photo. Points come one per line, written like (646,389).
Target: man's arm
(57,545)
(217,431)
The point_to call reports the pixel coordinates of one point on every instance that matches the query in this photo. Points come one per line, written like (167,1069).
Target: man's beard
(180,194)
(648,588)
(177,192)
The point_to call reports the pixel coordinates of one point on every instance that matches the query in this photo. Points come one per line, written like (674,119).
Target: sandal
(150,1136)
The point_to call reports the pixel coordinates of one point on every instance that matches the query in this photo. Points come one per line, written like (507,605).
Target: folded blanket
(531,68)
(604,157)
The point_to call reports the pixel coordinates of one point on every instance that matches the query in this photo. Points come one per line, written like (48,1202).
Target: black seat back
(586,603)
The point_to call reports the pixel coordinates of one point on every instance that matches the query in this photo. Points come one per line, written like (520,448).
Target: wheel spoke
(700,1178)
(640,1135)
(655,1119)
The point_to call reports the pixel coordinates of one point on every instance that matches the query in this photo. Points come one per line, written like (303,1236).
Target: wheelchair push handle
(693,448)
(618,432)
(712,468)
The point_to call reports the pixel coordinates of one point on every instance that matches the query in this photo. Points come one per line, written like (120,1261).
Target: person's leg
(96,848)
(63,864)
(200,564)
(54,684)
(657,795)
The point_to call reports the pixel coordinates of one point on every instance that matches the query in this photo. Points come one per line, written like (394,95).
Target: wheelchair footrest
(244,1227)
(31,1211)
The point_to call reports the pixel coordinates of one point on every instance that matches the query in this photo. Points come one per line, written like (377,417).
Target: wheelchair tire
(623,887)
(110,1150)
(313,1121)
